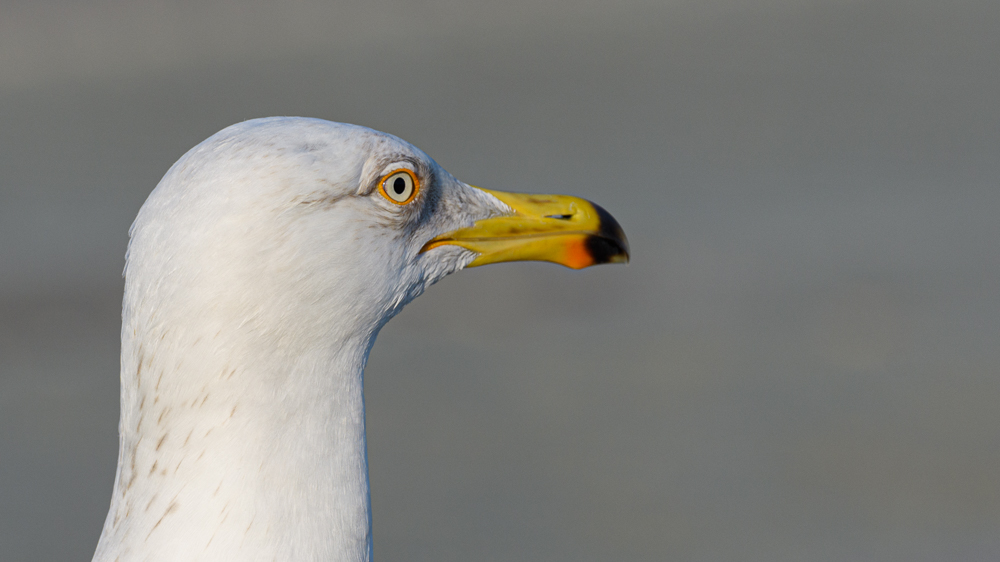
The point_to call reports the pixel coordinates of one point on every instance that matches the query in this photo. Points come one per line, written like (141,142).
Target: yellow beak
(556,228)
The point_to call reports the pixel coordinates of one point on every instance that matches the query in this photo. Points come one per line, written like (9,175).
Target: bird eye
(400,187)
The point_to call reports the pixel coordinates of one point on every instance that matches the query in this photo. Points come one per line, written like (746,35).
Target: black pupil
(399,186)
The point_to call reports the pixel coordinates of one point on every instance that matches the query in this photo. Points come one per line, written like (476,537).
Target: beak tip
(610,244)
(606,249)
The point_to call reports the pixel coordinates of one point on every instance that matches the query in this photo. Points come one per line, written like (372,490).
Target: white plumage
(259,272)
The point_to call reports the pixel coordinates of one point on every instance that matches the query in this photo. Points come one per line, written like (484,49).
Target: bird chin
(443,261)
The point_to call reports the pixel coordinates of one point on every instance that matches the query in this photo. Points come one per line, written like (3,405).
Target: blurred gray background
(800,363)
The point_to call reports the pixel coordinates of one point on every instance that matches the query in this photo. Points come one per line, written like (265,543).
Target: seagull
(258,273)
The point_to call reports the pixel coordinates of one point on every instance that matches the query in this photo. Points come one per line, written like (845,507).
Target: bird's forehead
(323,141)
(345,157)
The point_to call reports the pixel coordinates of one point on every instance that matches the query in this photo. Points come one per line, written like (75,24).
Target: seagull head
(314,217)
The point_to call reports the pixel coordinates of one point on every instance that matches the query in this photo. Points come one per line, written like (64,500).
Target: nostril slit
(560,217)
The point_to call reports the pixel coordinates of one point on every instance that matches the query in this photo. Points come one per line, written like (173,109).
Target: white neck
(257,277)
(239,449)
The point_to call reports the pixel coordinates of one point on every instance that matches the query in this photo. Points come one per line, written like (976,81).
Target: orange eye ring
(399,186)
